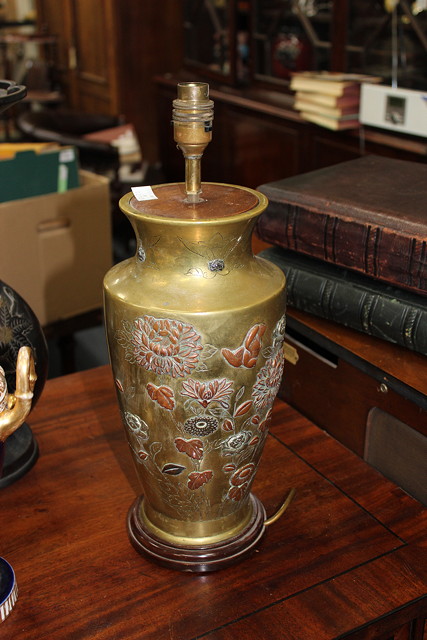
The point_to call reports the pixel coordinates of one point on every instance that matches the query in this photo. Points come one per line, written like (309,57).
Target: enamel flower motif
(136,424)
(216,254)
(279,332)
(268,381)
(138,433)
(236,442)
(240,482)
(247,353)
(201,425)
(165,346)
(209,391)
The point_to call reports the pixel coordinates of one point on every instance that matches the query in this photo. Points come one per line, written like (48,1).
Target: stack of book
(329,99)
(352,241)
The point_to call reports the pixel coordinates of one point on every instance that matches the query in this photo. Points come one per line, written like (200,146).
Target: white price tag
(66,155)
(143,193)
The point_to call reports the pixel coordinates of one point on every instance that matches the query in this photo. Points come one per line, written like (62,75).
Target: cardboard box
(55,249)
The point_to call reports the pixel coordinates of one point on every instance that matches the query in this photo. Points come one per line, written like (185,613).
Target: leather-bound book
(353,300)
(368,214)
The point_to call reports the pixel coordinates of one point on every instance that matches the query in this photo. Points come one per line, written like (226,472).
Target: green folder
(30,174)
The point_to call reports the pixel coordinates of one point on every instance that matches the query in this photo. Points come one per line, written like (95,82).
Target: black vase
(19,327)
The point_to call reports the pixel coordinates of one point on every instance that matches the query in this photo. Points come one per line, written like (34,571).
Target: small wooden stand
(197,559)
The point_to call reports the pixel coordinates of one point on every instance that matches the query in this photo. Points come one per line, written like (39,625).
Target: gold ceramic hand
(15,407)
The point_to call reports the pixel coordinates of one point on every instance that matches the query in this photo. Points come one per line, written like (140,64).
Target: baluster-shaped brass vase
(195,327)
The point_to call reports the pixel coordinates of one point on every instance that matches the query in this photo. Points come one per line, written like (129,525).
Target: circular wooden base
(197,559)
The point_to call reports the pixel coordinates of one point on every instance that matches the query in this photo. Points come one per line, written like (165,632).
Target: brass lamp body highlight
(195,328)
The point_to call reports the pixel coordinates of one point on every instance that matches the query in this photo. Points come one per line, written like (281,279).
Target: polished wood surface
(348,558)
(85,62)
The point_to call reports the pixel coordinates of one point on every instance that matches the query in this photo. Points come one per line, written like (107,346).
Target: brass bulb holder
(192,118)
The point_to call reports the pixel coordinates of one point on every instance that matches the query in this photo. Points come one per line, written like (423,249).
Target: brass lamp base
(197,559)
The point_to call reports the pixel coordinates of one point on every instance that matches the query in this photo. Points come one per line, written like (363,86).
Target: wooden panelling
(108,54)
(149,42)
(327,149)
(96,70)
(258,147)
(54,16)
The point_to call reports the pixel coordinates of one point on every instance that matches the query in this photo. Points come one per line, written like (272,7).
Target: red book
(368,214)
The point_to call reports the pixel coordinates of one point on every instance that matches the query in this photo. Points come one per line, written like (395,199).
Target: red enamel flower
(237,493)
(193,448)
(209,391)
(242,475)
(246,355)
(264,424)
(162,395)
(197,479)
(165,346)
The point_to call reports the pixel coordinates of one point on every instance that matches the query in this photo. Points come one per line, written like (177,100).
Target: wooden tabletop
(348,558)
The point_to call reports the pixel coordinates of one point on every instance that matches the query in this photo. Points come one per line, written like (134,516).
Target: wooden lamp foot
(197,559)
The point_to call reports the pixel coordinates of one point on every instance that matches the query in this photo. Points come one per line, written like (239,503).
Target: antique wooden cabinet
(369,394)
(247,51)
(109,53)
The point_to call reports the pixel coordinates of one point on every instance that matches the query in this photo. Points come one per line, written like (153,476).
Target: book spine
(375,313)
(378,252)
